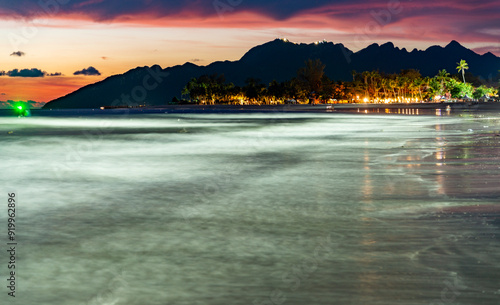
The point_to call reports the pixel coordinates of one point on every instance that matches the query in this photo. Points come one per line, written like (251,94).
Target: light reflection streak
(440,157)
(405,111)
(440,180)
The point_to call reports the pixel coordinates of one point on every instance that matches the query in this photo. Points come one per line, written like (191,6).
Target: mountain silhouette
(275,60)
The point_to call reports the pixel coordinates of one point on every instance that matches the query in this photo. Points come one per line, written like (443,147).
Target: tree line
(311,85)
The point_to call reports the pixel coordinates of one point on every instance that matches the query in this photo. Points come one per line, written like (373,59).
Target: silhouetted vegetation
(311,85)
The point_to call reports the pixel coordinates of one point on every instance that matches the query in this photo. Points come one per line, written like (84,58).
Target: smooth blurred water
(253,209)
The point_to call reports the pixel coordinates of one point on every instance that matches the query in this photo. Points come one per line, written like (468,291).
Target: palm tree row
(375,86)
(311,85)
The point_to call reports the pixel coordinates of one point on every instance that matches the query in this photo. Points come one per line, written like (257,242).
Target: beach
(122,207)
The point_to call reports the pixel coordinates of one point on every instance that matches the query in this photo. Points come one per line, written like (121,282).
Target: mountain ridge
(279,60)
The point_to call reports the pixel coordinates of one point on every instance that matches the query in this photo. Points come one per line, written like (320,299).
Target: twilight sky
(52,47)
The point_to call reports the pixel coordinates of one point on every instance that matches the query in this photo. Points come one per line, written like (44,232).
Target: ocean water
(273,208)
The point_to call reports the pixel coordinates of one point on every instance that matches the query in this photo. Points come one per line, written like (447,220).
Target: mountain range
(275,60)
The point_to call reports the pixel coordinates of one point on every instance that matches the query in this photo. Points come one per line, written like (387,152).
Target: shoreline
(405,109)
(314,107)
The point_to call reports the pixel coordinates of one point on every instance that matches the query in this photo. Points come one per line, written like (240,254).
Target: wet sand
(461,106)
(469,169)
(230,209)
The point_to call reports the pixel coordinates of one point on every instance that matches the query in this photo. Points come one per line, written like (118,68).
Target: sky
(50,48)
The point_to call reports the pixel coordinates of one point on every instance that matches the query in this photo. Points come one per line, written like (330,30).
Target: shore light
(21,110)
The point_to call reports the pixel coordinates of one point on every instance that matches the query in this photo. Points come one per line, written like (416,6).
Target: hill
(276,60)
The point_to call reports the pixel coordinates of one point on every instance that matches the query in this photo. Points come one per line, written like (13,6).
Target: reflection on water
(400,111)
(255,209)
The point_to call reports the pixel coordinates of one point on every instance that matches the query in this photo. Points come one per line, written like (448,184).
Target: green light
(21,109)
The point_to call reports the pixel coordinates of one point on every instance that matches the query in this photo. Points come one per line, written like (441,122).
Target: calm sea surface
(330,208)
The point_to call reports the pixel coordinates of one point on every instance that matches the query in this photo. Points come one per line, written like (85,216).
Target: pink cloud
(425,20)
(492,49)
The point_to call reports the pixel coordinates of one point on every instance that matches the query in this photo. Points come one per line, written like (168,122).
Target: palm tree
(254,90)
(354,73)
(425,88)
(443,74)
(365,75)
(462,66)
(374,83)
(392,85)
(311,75)
(442,77)
(384,84)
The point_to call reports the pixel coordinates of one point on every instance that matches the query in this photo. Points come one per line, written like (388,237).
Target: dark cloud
(6,105)
(104,57)
(101,10)
(88,71)
(26,73)
(492,49)
(106,10)
(10,104)
(32,103)
(196,60)
(18,54)
(429,20)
